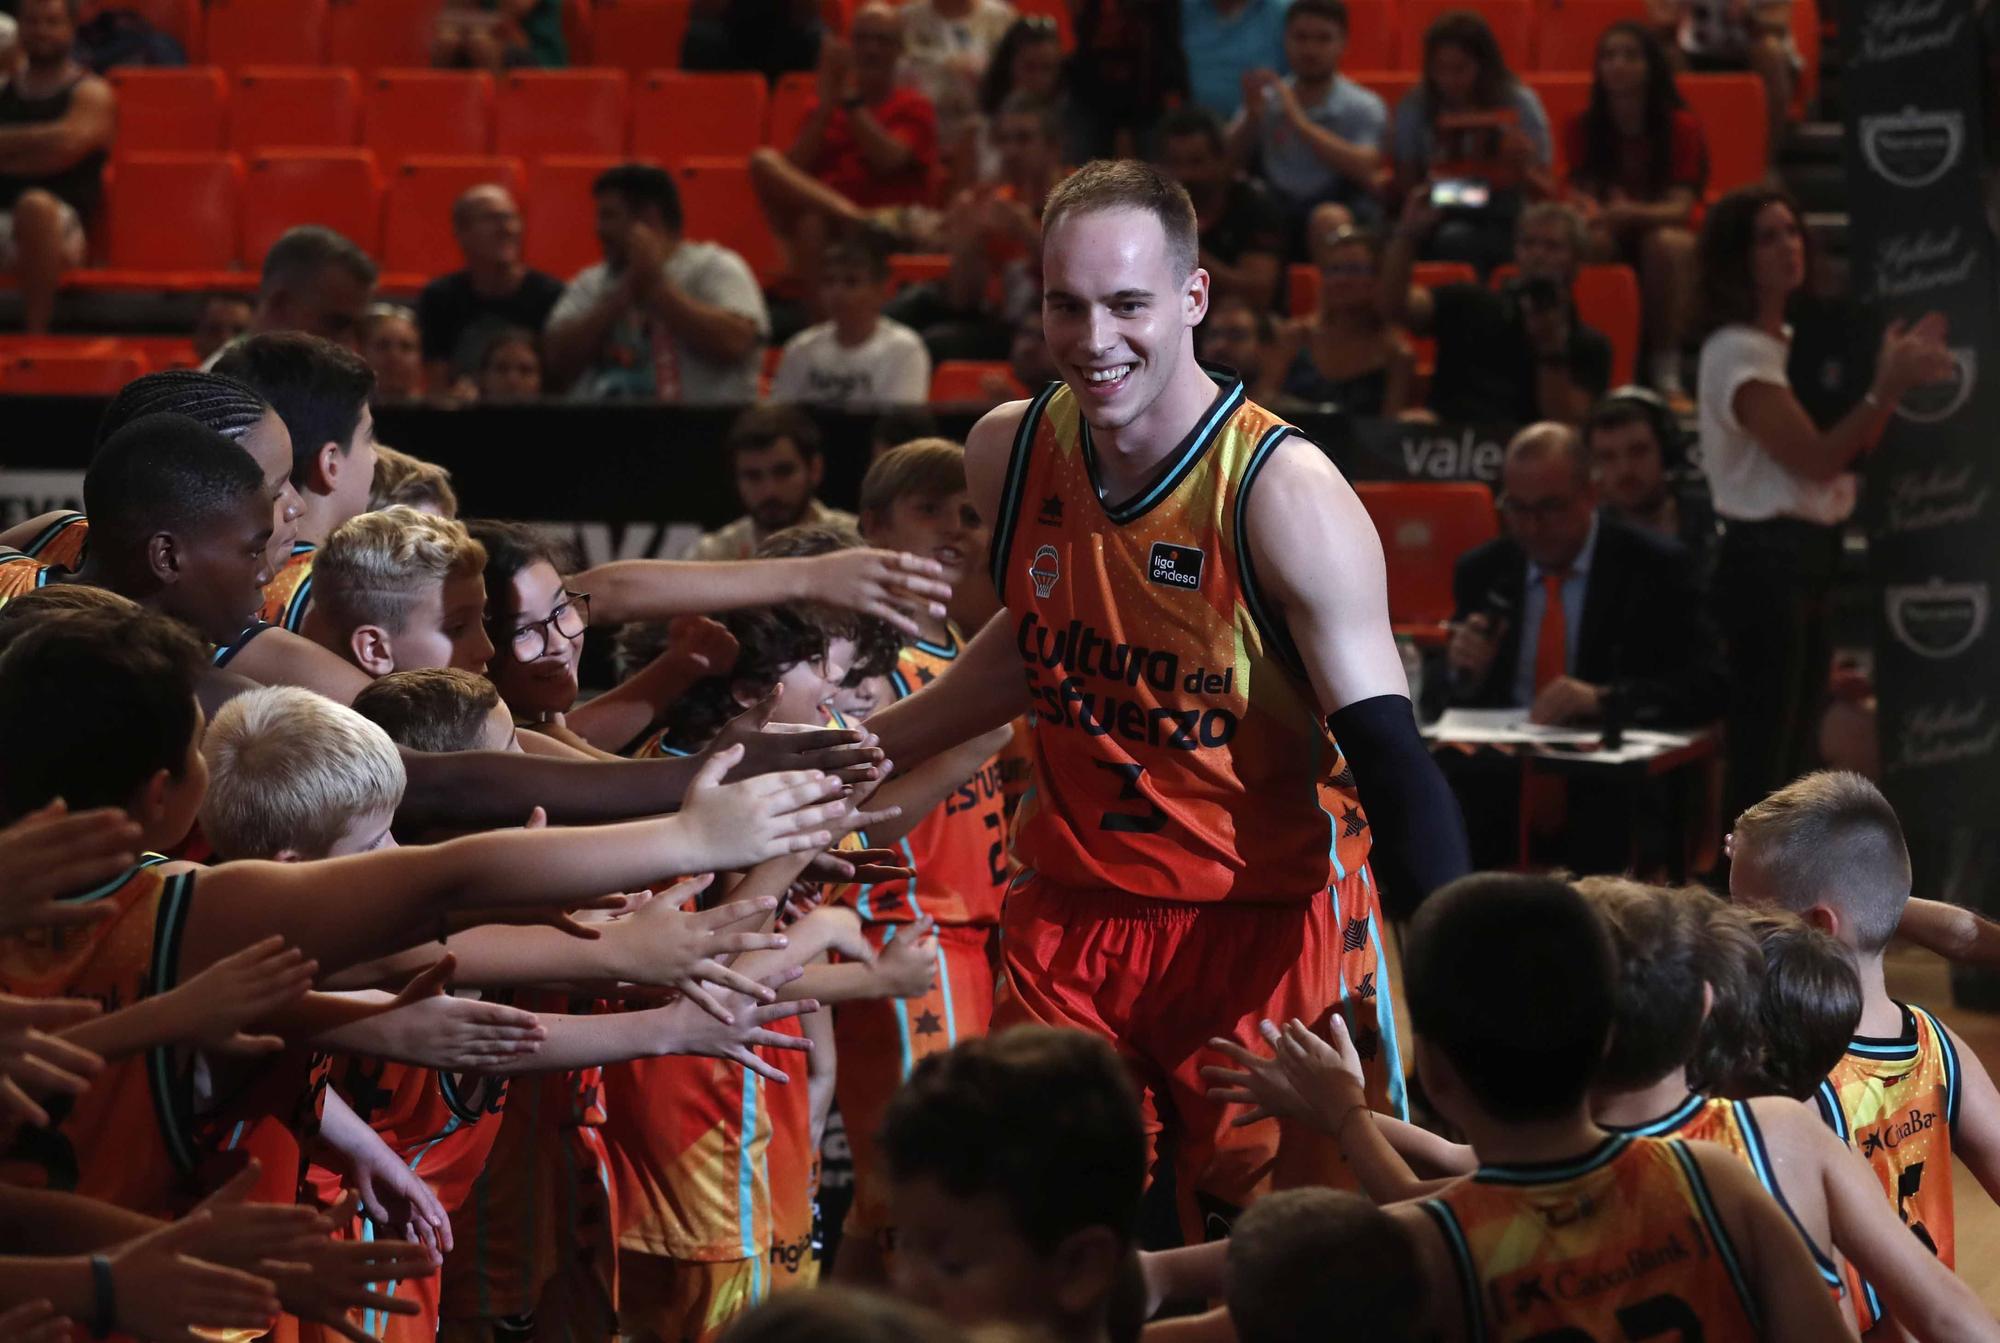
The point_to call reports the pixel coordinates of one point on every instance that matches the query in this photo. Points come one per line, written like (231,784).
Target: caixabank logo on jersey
(1912,148)
(1936,619)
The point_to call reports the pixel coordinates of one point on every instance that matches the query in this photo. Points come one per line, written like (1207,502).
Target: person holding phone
(1470,121)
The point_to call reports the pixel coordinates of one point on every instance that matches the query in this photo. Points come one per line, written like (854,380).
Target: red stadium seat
(416,221)
(907,268)
(173,212)
(721,207)
(338,188)
(407,112)
(179,19)
(1057,11)
(964,380)
(1371,35)
(1730,109)
(794,94)
(1806,37)
(1302,281)
(51,372)
(163,351)
(560,112)
(1569,29)
(1607,300)
(640,35)
(277,108)
(266,32)
(677,114)
(170,110)
(373,35)
(579,21)
(1512,21)
(1391,86)
(560,219)
(1425,527)
(1564,96)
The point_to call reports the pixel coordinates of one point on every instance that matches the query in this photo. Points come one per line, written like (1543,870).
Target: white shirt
(937,51)
(640,359)
(890,368)
(1748,484)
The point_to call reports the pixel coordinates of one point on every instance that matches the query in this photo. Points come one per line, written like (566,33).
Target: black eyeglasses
(569,620)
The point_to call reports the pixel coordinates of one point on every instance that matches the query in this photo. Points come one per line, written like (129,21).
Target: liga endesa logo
(1912,148)
(1936,619)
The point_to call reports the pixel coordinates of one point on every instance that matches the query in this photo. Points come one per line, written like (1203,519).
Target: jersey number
(1665,1317)
(996,857)
(1150,822)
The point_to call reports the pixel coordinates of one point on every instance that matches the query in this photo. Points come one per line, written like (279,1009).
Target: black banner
(1917,175)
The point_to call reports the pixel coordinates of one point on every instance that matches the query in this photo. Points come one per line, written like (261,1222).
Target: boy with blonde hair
(399,589)
(403,479)
(1907,1095)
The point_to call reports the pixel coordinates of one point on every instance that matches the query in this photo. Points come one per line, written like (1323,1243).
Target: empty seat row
(180,221)
(666,114)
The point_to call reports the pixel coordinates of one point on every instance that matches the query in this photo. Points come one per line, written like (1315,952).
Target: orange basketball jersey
(1733,1125)
(1179,750)
(63,542)
(1622,1243)
(960,849)
(1896,1103)
(289,592)
(503,1233)
(128,1139)
(19,573)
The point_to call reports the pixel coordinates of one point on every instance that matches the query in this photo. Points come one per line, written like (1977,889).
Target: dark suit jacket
(1645,627)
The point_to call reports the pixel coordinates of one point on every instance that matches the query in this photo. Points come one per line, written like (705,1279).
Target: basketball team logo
(1941,400)
(1936,619)
(1911,148)
(1044,570)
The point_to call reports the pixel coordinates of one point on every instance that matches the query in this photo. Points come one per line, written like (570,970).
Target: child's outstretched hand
(908,963)
(217,1006)
(323,1279)
(36,1062)
(35,1322)
(732,826)
(1326,1075)
(1259,1081)
(664,946)
(886,584)
(50,853)
(702,1034)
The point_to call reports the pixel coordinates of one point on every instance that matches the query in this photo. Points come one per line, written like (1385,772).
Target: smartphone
(1459,193)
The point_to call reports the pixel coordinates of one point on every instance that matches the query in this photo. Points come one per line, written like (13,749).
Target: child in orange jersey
(1564,1225)
(1907,1094)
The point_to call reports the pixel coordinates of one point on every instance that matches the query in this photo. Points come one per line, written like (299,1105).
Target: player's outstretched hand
(886,584)
(49,853)
(34,1322)
(328,1278)
(848,753)
(1258,1081)
(35,1063)
(164,1293)
(702,1034)
(664,946)
(215,1007)
(908,964)
(733,826)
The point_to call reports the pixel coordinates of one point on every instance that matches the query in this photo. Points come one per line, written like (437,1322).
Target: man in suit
(1566,611)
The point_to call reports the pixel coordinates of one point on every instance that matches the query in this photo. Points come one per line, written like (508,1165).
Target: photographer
(1509,356)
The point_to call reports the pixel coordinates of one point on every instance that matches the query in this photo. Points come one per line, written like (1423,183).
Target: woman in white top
(1782,486)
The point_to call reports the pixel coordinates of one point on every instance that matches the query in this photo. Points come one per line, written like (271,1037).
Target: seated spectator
(1224,40)
(948,45)
(1028,62)
(1238,336)
(1343,354)
(1470,120)
(314,281)
(500,35)
(222,318)
(1028,354)
(772,37)
(661,316)
(510,367)
(392,347)
(993,232)
(1128,69)
(459,311)
(1638,456)
(403,479)
(1507,356)
(1241,229)
(1755,35)
(856,359)
(1638,161)
(1315,135)
(774,455)
(56,124)
(864,154)
(1571,615)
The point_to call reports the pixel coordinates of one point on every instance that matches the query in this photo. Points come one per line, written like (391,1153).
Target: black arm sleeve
(1419,835)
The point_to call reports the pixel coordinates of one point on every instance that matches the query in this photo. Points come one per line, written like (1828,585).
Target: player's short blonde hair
(1105,185)
(289,769)
(375,567)
(403,479)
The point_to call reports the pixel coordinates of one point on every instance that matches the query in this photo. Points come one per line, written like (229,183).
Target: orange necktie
(1552,640)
